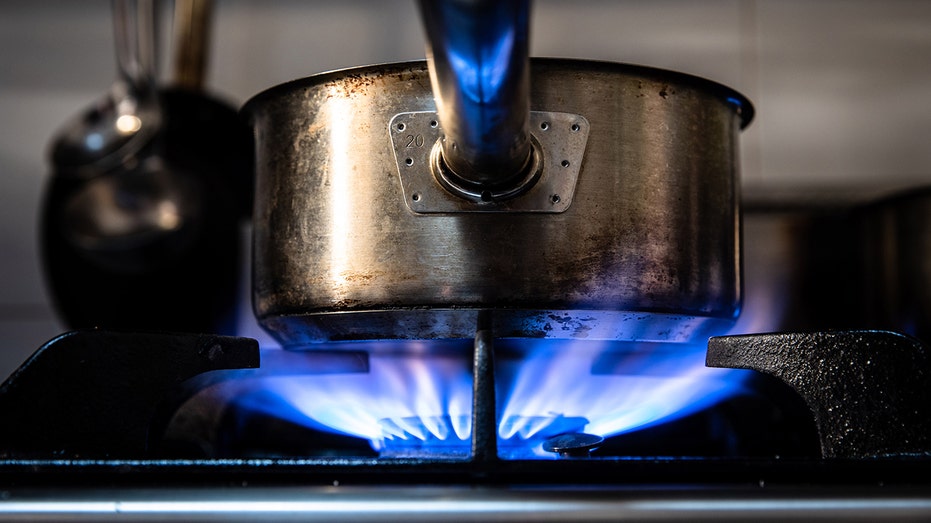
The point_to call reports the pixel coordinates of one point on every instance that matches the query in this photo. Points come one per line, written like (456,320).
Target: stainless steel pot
(629,228)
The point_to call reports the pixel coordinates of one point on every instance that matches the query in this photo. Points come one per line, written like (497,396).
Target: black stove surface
(96,422)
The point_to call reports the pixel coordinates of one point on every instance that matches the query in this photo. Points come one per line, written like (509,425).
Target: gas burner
(451,436)
(576,445)
(49,441)
(867,392)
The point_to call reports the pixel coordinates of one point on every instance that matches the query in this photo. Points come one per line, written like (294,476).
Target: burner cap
(575,445)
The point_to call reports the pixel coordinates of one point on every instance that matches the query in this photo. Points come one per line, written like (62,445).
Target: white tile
(844,93)
(260,44)
(701,38)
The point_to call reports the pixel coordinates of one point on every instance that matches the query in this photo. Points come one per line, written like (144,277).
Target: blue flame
(419,401)
(617,386)
(397,387)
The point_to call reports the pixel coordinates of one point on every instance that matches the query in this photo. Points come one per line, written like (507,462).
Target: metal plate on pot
(561,138)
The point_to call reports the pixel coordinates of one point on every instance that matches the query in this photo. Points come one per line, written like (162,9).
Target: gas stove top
(105,424)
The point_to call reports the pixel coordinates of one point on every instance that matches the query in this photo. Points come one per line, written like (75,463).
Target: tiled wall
(842,88)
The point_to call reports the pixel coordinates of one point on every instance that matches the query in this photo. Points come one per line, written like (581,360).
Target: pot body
(648,248)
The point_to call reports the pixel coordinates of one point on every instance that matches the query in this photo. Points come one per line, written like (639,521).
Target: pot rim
(742,105)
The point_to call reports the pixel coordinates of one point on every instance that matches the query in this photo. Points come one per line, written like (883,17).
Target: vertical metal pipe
(135,33)
(484,416)
(478,54)
(192,34)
